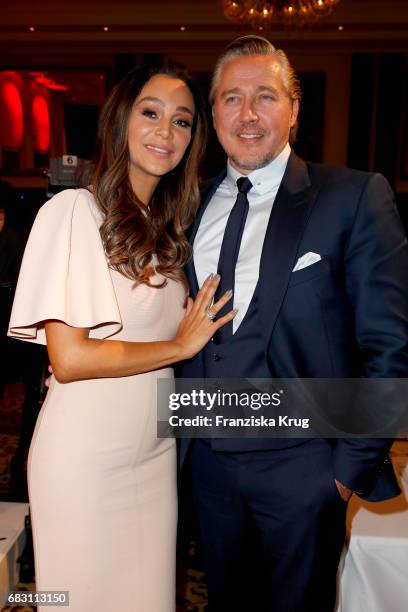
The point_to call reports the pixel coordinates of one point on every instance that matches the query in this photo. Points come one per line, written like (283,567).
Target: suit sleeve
(376,276)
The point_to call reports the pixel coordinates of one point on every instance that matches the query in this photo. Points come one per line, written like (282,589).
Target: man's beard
(253,164)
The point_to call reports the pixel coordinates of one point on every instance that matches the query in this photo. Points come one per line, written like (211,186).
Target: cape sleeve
(64,274)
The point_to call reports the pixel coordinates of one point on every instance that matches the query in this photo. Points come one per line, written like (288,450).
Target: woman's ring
(211,315)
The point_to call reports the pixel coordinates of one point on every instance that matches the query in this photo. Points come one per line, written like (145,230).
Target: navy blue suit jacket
(345,316)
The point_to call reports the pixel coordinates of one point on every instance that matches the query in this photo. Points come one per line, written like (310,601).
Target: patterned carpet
(10,422)
(191,589)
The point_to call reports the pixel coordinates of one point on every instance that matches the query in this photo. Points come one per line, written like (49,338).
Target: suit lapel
(286,225)
(190,269)
(291,209)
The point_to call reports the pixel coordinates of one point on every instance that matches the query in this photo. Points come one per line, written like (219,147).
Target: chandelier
(260,14)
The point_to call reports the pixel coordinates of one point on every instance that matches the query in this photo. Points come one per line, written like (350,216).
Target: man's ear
(295,112)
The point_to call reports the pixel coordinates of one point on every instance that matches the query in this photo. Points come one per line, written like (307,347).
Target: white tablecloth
(374,576)
(12,529)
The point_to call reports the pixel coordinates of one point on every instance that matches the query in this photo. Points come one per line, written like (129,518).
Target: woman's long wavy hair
(132,232)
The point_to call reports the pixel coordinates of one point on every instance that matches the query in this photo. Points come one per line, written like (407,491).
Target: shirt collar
(265,179)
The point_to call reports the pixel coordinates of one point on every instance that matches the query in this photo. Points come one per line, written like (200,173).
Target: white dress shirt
(207,243)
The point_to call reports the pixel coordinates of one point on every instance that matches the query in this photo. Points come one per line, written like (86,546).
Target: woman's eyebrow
(184,109)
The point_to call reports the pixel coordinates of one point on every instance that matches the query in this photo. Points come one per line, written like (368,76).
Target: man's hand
(344,492)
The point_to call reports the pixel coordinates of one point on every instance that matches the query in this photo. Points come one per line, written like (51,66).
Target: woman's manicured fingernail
(216,277)
(228,293)
(235,310)
(209,277)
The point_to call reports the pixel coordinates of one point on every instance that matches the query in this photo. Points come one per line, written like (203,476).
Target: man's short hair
(253,45)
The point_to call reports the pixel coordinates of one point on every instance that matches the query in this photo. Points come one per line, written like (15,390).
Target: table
(373,575)
(12,528)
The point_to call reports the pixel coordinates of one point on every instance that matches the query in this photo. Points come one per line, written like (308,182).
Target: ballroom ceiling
(52,31)
(203,20)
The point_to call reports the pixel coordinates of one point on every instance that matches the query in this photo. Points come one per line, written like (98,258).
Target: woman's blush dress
(102,486)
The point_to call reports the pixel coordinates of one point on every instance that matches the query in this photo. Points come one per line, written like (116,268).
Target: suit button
(216,357)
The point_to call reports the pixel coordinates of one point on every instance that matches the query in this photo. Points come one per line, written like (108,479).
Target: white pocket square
(306,260)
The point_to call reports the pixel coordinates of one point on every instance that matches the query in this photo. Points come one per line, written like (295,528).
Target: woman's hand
(47,381)
(75,356)
(197,328)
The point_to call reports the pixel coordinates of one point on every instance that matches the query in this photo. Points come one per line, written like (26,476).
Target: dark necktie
(229,252)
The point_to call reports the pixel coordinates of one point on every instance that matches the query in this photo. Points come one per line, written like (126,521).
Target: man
(321,288)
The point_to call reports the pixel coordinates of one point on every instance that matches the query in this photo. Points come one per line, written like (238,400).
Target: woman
(102,284)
